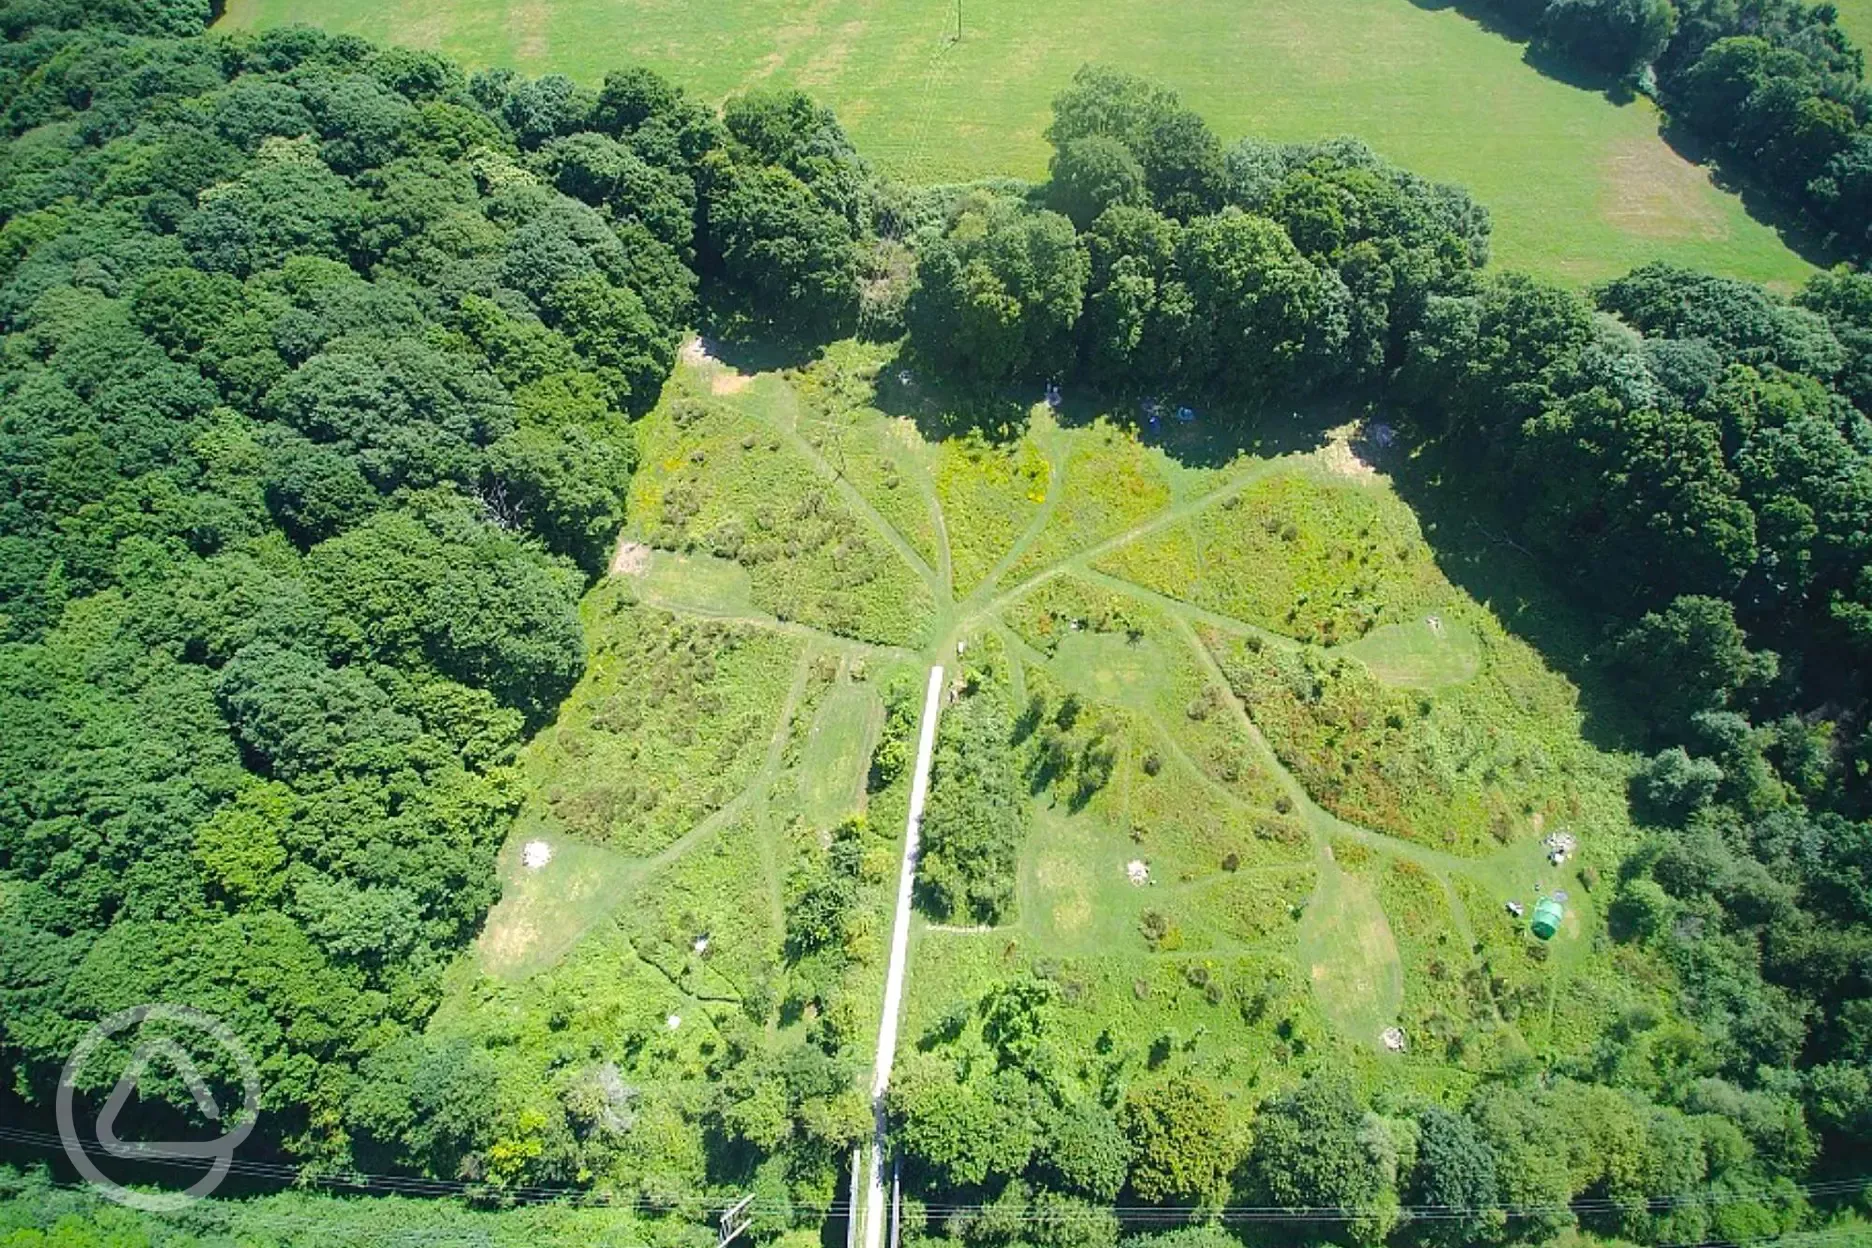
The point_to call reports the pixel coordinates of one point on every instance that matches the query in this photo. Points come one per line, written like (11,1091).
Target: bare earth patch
(1341,459)
(508,943)
(722,379)
(630,559)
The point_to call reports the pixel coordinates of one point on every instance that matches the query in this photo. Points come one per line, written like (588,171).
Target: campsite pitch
(1332,771)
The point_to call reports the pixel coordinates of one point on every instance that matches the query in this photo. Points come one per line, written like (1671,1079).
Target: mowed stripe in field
(1581,188)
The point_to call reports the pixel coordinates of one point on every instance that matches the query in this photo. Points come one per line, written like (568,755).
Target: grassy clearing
(1350,955)
(838,753)
(990,493)
(1581,189)
(1425,653)
(1317,560)
(544,911)
(655,738)
(1117,649)
(696,584)
(614,980)
(1265,934)
(726,475)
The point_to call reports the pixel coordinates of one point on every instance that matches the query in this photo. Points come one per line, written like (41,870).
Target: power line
(1143,1214)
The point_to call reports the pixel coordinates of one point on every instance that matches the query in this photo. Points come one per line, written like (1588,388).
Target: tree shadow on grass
(752,355)
(1795,232)
(1534,54)
(1476,551)
(1495,23)
(943,409)
(1758,199)
(1200,434)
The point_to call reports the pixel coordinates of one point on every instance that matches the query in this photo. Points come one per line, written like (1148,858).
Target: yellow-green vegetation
(629,970)
(1251,838)
(990,492)
(726,470)
(1467,767)
(1581,188)
(1116,483)
(886,461)
(664,715)
(1297,555)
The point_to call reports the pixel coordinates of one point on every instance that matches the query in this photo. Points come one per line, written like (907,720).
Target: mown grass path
(1338,899)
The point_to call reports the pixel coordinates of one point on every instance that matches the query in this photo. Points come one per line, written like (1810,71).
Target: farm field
(1581,189)
(1856,18)
(1310,823)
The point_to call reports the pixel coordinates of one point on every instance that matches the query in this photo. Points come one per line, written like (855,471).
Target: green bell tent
(1547,917)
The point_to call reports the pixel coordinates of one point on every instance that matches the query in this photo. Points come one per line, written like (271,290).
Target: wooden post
(897,1196)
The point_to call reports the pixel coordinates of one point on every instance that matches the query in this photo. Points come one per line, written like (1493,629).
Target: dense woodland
(319,365)
(319,368)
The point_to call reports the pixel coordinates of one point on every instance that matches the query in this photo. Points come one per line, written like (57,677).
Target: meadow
(1856,18)
(1311,826)
(1581,188)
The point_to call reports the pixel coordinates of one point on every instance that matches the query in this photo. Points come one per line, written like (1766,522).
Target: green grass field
(1856,18)
(1581,189)
(1329,808)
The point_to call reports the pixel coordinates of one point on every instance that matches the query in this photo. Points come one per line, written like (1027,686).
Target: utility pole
(958,21)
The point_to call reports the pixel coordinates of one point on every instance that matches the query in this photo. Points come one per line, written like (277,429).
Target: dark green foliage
(1320,280)
(998,294)
(782,215)
(1740,319)
(785,260)
(1317,1147)
(976,817)
(1090,174)
(1690,657)
(1844,298)
(1615,37)
(1395,239)
(1264,317)
(1085,1151)
(896,744)
(1672,786)
(303,381)
(956,1133)
(1178,155)
(1183,1143)
(1455,1170)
